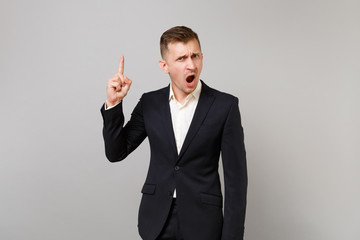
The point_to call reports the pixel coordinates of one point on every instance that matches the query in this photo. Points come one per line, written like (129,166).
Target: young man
(188,125)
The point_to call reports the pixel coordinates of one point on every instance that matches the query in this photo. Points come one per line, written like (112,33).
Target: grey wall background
(293,64)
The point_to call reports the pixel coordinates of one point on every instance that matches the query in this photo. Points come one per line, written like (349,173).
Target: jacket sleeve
(235,175)
(120,141)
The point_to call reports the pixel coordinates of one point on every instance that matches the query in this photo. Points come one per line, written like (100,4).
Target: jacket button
(177,168)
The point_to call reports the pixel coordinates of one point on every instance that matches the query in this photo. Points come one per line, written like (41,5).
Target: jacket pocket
(148,188)
(211,199)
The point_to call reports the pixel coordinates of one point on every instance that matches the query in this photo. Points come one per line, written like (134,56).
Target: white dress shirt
(182,115)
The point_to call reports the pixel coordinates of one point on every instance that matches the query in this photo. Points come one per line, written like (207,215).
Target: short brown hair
(176,34)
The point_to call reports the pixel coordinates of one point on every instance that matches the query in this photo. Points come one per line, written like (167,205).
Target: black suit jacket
(215,128)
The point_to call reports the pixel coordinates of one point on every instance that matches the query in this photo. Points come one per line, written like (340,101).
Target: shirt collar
(195,93)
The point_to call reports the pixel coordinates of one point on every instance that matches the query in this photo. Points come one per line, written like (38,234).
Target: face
(183,63)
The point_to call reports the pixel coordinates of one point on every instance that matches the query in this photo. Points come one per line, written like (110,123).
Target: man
(188,125)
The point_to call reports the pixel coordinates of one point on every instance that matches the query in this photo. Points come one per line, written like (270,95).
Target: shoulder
(220,96)
(156,95)
(163,90)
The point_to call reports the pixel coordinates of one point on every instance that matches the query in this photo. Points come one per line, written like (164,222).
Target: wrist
(112,103)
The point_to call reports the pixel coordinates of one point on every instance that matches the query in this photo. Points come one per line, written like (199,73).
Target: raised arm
(121,140)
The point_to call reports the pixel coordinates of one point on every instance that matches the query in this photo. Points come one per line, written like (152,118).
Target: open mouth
(190,78)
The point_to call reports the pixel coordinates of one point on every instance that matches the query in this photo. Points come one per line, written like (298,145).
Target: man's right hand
(117,86)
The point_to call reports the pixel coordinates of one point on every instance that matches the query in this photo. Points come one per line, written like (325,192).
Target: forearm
(115,147)
(121,140)
(235,176)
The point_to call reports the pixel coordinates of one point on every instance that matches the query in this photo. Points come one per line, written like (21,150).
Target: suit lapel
(205,101)
(167,122)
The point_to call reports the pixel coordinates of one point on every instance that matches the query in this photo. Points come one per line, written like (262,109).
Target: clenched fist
(117,86)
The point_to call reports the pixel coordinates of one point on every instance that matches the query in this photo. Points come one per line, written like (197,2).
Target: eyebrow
(182,56)
(185,55)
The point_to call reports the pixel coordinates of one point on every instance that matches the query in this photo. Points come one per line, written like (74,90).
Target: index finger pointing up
(121,65)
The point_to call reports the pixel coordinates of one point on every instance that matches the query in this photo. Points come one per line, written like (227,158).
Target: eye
(196,55)
(180,58)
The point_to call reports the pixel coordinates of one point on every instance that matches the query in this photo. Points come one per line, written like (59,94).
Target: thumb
(127,80)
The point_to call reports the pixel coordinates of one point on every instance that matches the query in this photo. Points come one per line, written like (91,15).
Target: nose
(190,63)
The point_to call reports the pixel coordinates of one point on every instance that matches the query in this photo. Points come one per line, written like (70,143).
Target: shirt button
(177,168)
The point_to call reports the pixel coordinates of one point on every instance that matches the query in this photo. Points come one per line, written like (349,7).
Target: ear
(163,66)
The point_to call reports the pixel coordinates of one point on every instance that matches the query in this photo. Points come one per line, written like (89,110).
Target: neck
(180,96)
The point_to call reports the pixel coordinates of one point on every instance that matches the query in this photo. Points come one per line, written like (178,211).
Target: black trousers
(171,229)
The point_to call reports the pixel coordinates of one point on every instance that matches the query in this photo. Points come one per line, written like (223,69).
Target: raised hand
(117,86)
